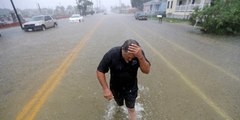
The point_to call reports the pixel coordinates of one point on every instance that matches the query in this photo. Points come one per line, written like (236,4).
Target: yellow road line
(186,80)
(199,58)
(34,105)
(205,61)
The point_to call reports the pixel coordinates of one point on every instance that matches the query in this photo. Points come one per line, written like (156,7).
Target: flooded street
(51,75)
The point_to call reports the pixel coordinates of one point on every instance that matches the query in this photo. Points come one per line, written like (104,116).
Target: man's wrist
(104,89)
(140,57)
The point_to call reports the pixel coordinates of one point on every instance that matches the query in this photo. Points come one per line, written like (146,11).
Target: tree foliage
(59,11)
(82,6)
(223,17)
(138,3)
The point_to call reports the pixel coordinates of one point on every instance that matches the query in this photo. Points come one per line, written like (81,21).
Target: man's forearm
(144,65)
(106,91)
(102,80)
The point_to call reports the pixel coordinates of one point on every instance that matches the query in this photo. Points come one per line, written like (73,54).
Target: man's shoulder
(113,53)
(114,50)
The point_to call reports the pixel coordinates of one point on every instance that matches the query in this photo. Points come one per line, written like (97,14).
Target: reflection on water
(114,112)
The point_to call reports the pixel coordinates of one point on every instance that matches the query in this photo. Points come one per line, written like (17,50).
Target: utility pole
(120,6)
(99,3)
(120,3)
(39,8)
(20,23)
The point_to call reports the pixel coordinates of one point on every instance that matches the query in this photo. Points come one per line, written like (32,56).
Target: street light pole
(20,23)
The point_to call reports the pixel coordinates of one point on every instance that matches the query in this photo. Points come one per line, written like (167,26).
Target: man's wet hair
(127,43)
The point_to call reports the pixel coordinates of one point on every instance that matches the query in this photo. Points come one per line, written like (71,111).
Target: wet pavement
(48,75)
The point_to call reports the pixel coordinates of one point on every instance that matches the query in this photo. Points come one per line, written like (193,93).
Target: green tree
(59,10)
(223,17)
(138,3)
(70,9)
(82,6)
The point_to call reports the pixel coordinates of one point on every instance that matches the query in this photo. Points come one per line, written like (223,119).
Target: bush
(223,17)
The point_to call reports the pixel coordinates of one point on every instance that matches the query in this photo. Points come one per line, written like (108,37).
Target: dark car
(140,16)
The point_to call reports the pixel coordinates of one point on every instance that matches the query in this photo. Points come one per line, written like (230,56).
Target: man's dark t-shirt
(123,75)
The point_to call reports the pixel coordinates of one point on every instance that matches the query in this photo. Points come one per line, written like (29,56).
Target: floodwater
(51,75)
(113,111)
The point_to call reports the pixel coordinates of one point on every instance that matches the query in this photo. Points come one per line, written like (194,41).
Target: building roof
(154,2)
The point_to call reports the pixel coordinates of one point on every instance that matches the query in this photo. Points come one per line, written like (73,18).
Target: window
(47,18)
(180,3)
(193,1)
(168,4)
(171,3)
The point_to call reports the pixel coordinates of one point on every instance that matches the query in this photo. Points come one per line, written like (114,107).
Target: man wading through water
(123,62)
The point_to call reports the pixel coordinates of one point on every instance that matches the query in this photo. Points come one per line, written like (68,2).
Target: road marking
(34,105)
(205,61)
(199,58)
(185,79)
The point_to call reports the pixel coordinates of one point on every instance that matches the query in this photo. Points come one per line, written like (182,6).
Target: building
(183,8)
(5,15)
(155,7)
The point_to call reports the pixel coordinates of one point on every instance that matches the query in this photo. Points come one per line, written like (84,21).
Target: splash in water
(113,111)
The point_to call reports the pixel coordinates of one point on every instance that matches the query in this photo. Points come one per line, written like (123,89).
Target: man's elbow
(99,74)
(146,71)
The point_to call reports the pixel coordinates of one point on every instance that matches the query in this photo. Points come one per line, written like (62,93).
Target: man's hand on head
(136,50)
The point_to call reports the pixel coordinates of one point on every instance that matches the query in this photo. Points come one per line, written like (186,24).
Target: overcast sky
(24,4)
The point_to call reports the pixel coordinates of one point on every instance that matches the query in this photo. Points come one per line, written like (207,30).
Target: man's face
(127,56)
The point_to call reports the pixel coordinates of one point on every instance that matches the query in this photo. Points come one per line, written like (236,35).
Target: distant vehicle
(76,18)
(41,22)
(140,16)
(90,12)
(2,23)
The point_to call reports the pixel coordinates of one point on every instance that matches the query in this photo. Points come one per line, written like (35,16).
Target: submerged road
(50,75)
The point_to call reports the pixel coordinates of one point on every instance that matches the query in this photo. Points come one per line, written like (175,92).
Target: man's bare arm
(144,65)
(102,80)
(137,51)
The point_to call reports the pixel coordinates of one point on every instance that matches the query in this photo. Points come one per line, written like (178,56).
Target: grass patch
(171,20)
(174,20)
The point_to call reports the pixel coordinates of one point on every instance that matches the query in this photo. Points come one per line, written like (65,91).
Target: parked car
(76,18)
(140,16)
(40,22)
(2,23)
